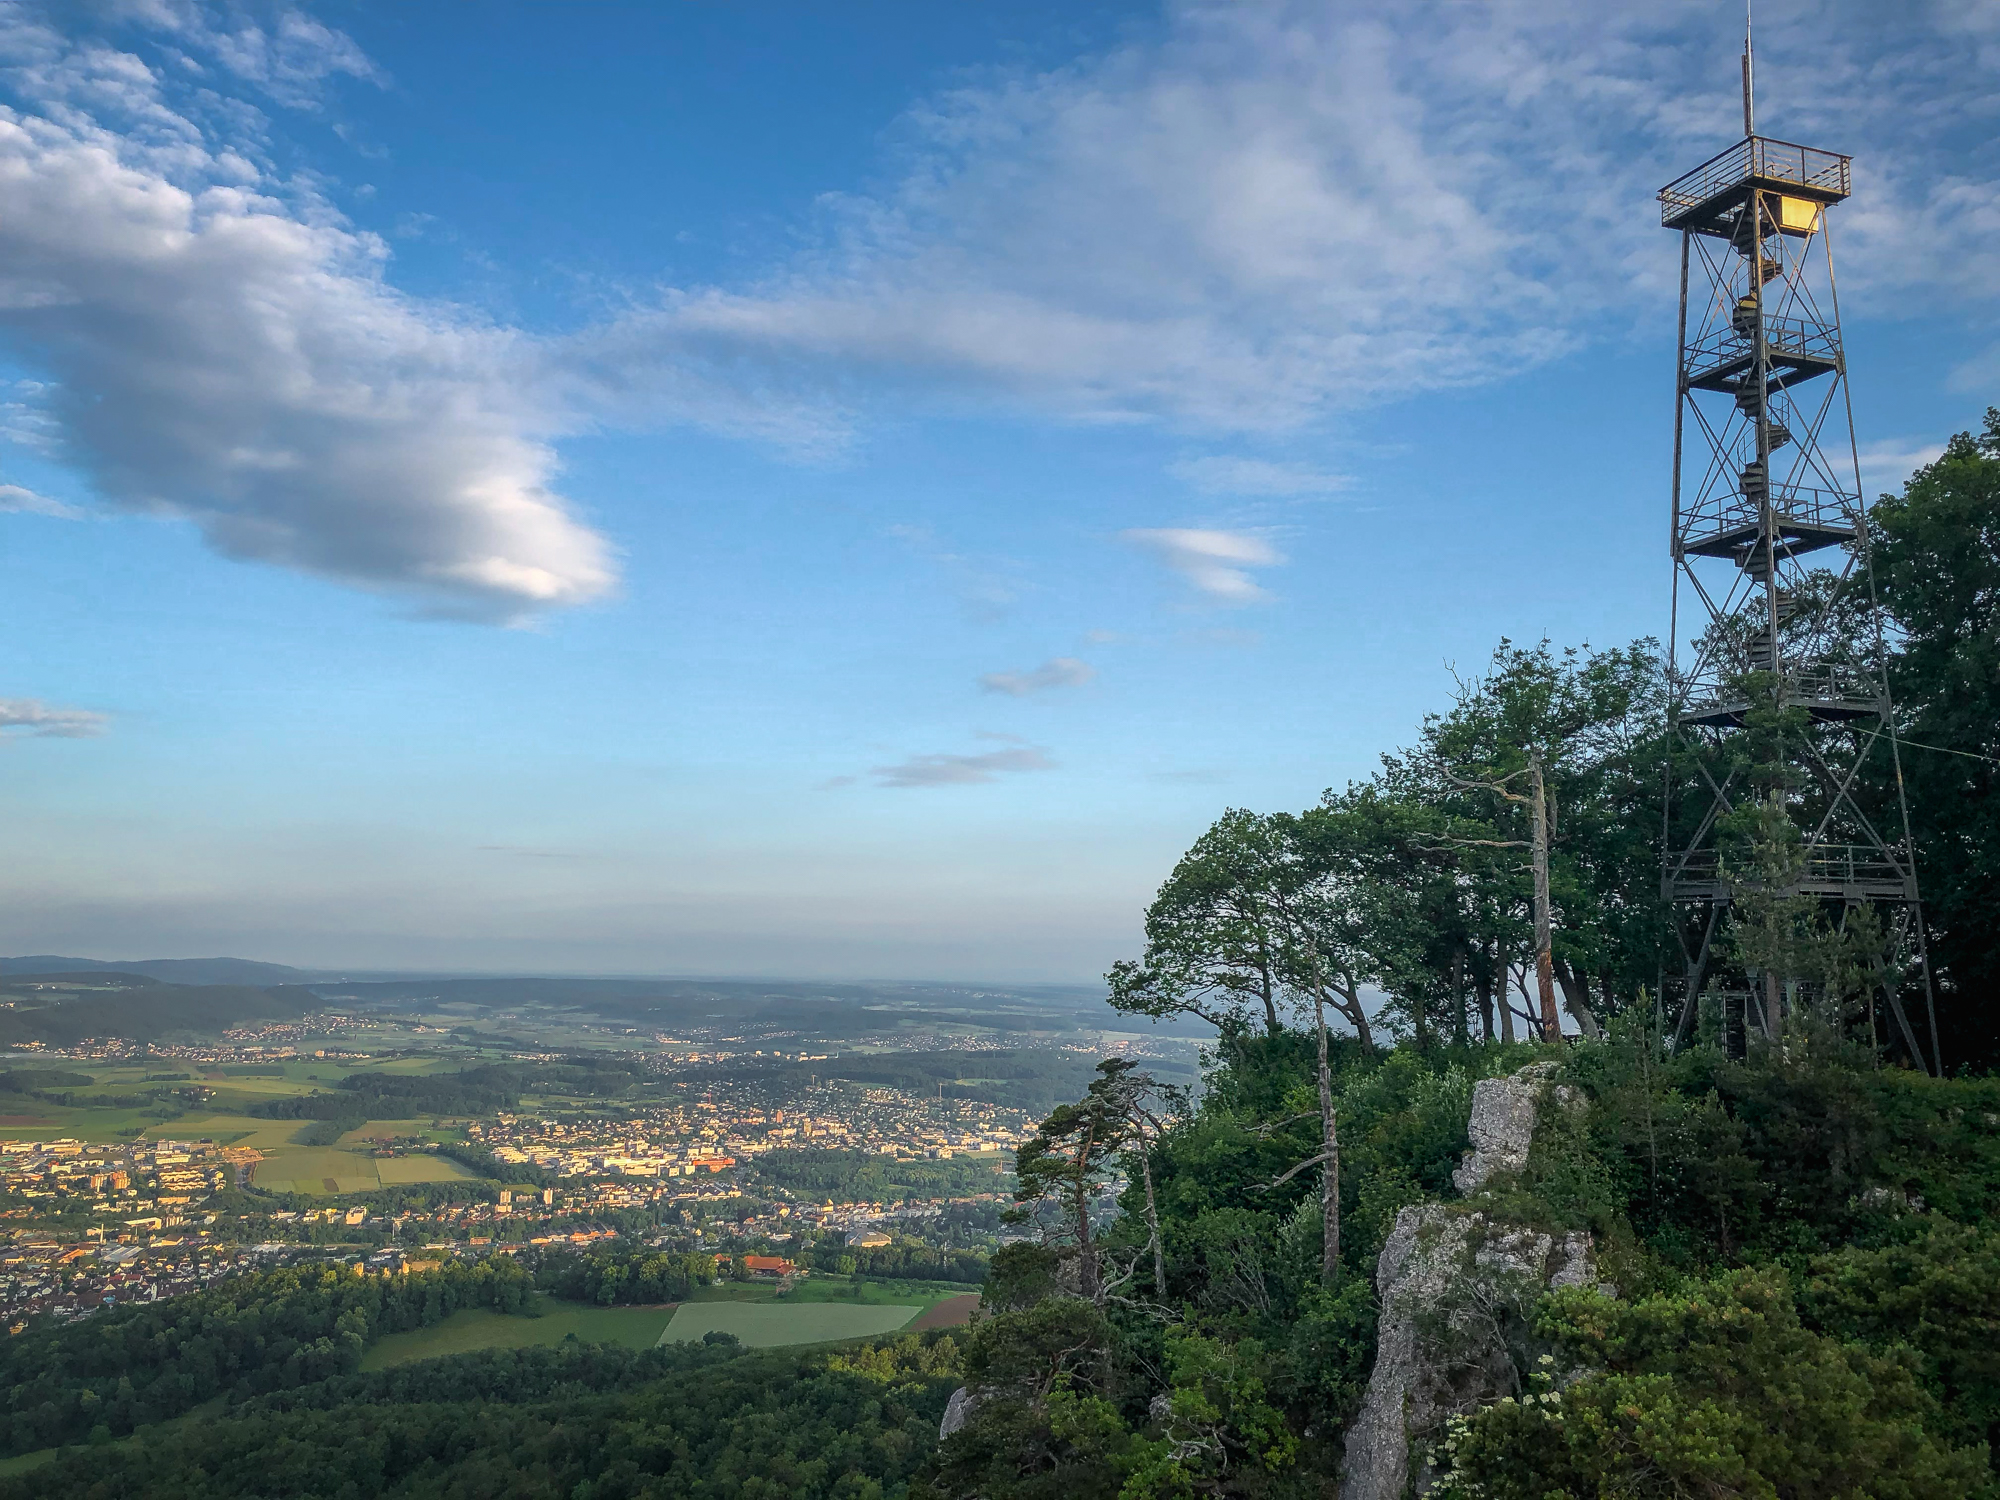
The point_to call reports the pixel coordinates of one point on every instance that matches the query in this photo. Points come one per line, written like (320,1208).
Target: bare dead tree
(1540,816)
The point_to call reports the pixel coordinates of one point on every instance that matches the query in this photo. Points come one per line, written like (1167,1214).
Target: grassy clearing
(834,1289)
(478,1328)
(395,1171)
(764,1325)
(310,1170)
(231,1130)
(48,1122)
(364,1136)
(20,1463)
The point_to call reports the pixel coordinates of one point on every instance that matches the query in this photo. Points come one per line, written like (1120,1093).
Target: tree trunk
(1504,983)
(1347,1000)
(1482,986)
(1086,1248)
(1545,980)
(1576,999)
(1329,1175)
(1462,1019)
(1271,1027)
(1152,1210)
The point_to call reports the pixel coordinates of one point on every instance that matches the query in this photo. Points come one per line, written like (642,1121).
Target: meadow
(818,1310)
(478,1328)
(764,1325)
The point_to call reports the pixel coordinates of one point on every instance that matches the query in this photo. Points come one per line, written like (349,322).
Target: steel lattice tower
(1783,698)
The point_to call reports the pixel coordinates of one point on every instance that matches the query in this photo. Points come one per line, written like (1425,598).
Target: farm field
(327,1169)
(363,1136)
(395,1171)
(886,1293)
(764,1325)
(953,1312)
(30,1120)
(477,1328)
(229,1130)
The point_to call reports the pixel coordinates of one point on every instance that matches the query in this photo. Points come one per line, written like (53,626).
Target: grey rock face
(957,1412)
(1448,1280)
(1502,1125)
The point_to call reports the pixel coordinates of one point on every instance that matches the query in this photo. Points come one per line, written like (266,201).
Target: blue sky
(846,491)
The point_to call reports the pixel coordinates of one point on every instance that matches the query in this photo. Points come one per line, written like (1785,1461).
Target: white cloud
(1252,215)
(1888,464)
(31,716)
(13,497)
(222,354)
(1243,218)
(1216,563)
(1057,671)
(293,61)
(1221,475)
(961,770)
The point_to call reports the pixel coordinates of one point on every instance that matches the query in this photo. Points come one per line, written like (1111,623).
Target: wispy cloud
(1886,465)
(1220,475)
(13,497)
(961,770)
(1253,215)
(31,716)
(1216,563)
(1057,671)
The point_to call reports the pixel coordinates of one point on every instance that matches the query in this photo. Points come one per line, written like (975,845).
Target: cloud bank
(232,356)
(1244,219)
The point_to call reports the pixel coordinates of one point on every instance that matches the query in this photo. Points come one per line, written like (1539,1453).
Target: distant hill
(134,1006)
(172,970)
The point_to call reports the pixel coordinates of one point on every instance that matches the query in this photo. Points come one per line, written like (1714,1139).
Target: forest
(1504,872)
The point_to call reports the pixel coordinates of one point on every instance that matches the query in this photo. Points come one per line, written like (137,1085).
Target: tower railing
(1796,504)
(1786,338)
(1818,174)
(1837,866)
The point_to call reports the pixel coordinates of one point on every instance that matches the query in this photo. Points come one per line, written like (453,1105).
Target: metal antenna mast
(1780,710)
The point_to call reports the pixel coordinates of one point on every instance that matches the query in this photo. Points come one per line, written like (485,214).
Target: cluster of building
(41,1274)
(736,1121)
(139,1185)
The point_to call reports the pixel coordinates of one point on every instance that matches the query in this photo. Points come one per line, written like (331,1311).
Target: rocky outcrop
(958,1412)
(1454,1287)
(1502,1126)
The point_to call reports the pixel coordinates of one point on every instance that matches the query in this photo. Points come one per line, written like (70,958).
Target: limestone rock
(1452,1284)
(1502,1126)
(1443,1281)
(958,1411)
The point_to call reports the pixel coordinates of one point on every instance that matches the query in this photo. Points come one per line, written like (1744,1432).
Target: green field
(764,1325)
(885,1293)
(230,1130)
(476,1328)
(307,1169)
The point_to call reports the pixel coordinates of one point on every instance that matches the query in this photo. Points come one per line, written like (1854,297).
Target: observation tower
(1785,804)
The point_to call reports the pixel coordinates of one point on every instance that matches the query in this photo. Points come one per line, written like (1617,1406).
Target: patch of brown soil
(953,1312)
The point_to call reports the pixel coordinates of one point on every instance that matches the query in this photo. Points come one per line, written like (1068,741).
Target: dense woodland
(1419,880)
(135,1365)
(1797,1235)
